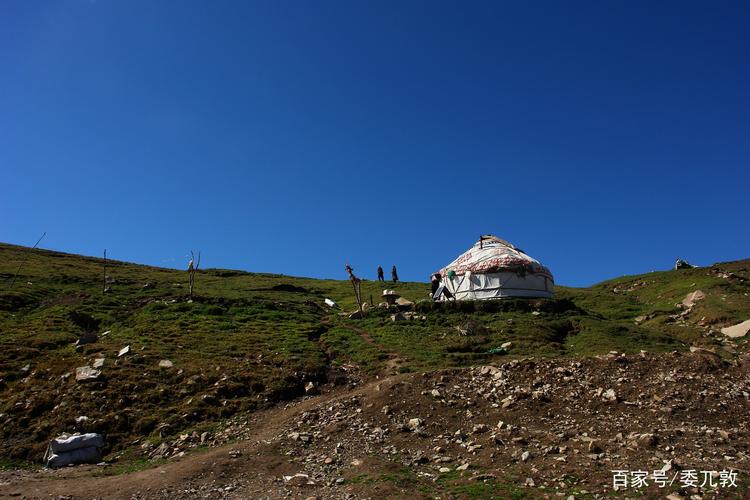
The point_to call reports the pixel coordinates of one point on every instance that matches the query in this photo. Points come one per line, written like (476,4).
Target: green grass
(248,340)
(459,485)
(6,464)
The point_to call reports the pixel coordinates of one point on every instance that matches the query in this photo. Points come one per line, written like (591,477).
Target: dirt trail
(394,358)
(255,456)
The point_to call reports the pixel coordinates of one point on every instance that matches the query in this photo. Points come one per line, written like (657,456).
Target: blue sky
(604,138)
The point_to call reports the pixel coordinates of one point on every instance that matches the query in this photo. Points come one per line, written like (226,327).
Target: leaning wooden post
(358,295)
(356,283)
(192,268)
(191,274)
(13,282)
(104,277)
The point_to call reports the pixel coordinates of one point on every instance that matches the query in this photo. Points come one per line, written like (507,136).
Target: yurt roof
(492,255)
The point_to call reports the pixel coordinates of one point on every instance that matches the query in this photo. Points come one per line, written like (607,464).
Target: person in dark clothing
(394,274)
(435,279)
(380,274)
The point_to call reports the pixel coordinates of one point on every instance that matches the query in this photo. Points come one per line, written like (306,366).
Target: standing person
(394,274)
(380,274)
(435,279)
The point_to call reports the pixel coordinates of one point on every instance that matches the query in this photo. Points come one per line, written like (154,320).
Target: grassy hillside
(248,340)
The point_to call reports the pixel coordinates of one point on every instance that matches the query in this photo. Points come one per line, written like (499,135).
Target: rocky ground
(533,427)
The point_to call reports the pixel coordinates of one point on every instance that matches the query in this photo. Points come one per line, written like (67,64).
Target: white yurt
(493,269)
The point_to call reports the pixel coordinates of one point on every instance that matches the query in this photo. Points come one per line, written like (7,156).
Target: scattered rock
(402,302)
(87,374)
(357,314)
(122,352)
(299,480)
(737,331)
(414,424)
(86,338)
(692,298)
(609,395)
(594,447)
(165,363)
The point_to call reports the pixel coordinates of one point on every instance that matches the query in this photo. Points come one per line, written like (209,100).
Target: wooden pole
(104,277)
(192,268)
(356,284)
(24,260)
(357,296)
(191,273)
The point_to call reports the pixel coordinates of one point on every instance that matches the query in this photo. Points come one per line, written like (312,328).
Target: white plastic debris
(77,449)
(331,303)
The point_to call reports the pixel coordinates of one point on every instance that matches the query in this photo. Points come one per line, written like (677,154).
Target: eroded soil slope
(533,427)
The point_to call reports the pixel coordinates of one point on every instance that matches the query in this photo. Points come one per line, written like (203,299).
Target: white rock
(123,351)
(165,363)
(689,301)
(415,423)
(298,479)
(737,331)
(86,373)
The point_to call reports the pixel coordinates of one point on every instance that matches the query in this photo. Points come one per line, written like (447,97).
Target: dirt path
(394,358)
(255,459)
(247,468)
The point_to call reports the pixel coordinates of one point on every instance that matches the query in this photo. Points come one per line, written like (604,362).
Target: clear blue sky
(604,138)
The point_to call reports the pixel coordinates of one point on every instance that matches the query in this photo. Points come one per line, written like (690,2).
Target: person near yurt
(494,268)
